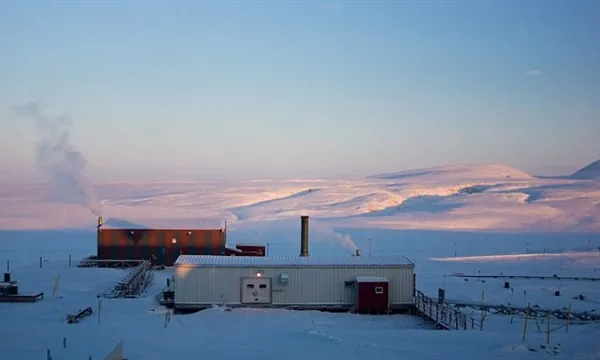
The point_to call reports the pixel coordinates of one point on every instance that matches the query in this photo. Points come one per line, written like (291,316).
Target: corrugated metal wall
(197,286)
(140,244)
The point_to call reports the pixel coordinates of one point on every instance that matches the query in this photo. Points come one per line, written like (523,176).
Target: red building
(163,240)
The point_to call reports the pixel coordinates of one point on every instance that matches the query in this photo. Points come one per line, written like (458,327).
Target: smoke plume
(324,232)
(60,160)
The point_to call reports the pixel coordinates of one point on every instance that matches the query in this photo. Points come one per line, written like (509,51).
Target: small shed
(372,295)
(297,282)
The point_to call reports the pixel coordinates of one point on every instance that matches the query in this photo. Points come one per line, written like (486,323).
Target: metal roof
(309,261)
(371,279)
(163,223)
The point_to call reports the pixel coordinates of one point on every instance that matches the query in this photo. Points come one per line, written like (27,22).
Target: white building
(306,282)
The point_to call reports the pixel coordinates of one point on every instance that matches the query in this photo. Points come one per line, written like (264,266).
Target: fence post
(548,333)
(482,309)
(568,319)
(41,266)
(64,342)
(457,320)
(526,320)
(48,355)
(69,260)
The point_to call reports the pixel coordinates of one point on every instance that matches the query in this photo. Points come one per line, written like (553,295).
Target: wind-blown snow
(460,197)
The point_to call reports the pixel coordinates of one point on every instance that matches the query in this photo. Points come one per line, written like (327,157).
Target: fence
(445,316)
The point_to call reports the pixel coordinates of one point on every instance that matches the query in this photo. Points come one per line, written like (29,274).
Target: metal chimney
(304,236)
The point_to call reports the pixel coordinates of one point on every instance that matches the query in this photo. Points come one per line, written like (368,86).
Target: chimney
(100,221)
(304,236)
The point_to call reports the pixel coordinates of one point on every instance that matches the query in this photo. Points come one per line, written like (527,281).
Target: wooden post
(99,309)
(568,318)
(482,311)
(526,320)
(457,316)
(64,342)
(430,309)
(548,331)
(41,266)
(69,260)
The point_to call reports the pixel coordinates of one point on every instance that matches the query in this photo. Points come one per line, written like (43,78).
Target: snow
(485,197)
(371,279)
(472,219)
(306,261)
(592,171)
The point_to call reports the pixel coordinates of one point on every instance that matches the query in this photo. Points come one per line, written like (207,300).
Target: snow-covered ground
(487,219)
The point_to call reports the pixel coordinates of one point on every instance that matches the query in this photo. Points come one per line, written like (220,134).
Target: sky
(192,89)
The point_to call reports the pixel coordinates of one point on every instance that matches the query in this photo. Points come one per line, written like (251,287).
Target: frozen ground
(487,219)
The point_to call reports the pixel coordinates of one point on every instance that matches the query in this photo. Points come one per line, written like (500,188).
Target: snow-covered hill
(455,197)
(476,172)
(592,171)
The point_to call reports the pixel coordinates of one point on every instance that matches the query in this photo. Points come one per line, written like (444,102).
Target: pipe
(304,236)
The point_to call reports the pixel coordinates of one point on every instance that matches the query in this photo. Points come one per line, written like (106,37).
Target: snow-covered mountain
(592,171)
(454,197)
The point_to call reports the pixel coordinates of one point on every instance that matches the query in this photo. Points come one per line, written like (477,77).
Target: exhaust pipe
(304,236)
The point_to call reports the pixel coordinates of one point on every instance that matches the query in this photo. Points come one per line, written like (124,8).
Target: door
(256,290)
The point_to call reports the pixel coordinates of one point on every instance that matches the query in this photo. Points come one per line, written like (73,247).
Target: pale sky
(186,90)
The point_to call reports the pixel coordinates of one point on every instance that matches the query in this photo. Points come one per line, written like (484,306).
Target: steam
(321,232)
(58,159)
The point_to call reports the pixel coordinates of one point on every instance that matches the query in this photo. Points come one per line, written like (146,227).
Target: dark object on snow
(557,293)
(169,295)
(507,285)
(303,235)
(74,318)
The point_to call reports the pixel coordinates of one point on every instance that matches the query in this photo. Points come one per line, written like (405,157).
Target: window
(262,286)
(250,286)
(378,290)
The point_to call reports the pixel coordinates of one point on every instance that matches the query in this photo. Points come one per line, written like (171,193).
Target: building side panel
(306,286)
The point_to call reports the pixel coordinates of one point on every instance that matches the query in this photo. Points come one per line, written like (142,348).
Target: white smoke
(60,160)
(321,232)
